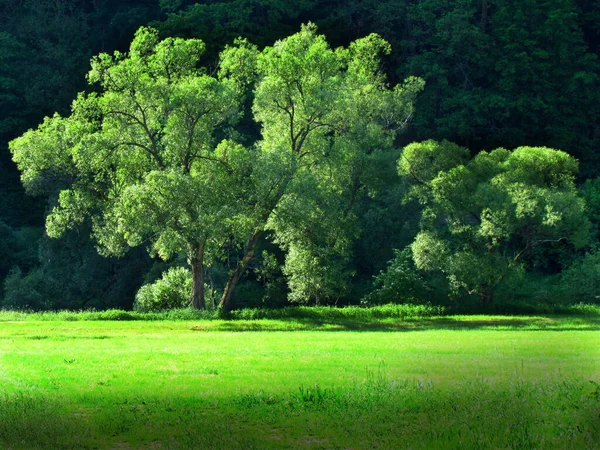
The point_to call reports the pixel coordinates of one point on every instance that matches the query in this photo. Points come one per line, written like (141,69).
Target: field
(438,382)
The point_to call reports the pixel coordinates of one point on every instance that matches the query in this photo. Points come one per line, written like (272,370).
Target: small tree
(144,158)
(484,215)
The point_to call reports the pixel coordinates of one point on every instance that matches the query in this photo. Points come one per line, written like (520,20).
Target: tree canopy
(326,115)
(151,157)
(483,216)
(497,74)
(143,159)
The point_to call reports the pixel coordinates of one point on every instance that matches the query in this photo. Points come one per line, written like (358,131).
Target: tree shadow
(541,323)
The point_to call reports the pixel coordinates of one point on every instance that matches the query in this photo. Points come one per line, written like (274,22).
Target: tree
(148,160)
(484,216)
(326,116)
(509,73)
(142,158)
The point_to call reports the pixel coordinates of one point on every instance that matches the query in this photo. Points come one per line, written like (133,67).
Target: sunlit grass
(451,382)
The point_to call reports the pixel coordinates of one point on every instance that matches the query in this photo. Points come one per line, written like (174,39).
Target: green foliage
(8,248)
(68,273)
(115,314)
(238,62)
(315,274)
(172,291)
(169,5)
(145,159)
(386,221)
(33,292)
(423,161)
(319,315)
(590,192)
(378,317)
(581,281)
(399,283)
(35,35)
(268,273)
(328,117)
(221,21)
(497,73)
(483,218)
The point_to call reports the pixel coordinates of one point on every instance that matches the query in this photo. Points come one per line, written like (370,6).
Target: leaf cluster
(485,215)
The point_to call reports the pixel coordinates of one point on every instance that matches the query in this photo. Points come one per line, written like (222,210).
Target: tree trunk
(212,292)
(225,303)
(486,294)
(484,15)
(196,260)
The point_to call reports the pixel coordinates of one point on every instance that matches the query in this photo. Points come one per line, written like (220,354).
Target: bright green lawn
(453,382)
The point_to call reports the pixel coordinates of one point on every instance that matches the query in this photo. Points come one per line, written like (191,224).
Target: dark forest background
(499,73)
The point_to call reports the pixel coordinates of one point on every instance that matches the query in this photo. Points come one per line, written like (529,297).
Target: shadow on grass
(54,337)
(375,413)
(547,323)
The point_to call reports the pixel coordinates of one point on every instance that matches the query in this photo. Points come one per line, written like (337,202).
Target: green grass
(363,315)
(317,381)
(391,311)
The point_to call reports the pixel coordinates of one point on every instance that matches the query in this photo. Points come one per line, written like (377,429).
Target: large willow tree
(327,115)
(143,158)
(150,158)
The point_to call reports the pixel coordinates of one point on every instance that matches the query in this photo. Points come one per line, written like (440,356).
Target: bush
(403,283)
(30,291)
(173,290)
(581,281)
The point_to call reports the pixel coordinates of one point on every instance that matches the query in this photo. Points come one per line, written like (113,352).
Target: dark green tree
(483,216)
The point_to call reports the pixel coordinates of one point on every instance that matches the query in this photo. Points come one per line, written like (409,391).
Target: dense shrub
(28,291)
(69,274)
(403,283)
(173,290)
(581,281)
(252,294)
(400,283)
(318,314)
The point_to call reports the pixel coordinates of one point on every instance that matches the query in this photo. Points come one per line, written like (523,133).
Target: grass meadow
(306,382)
